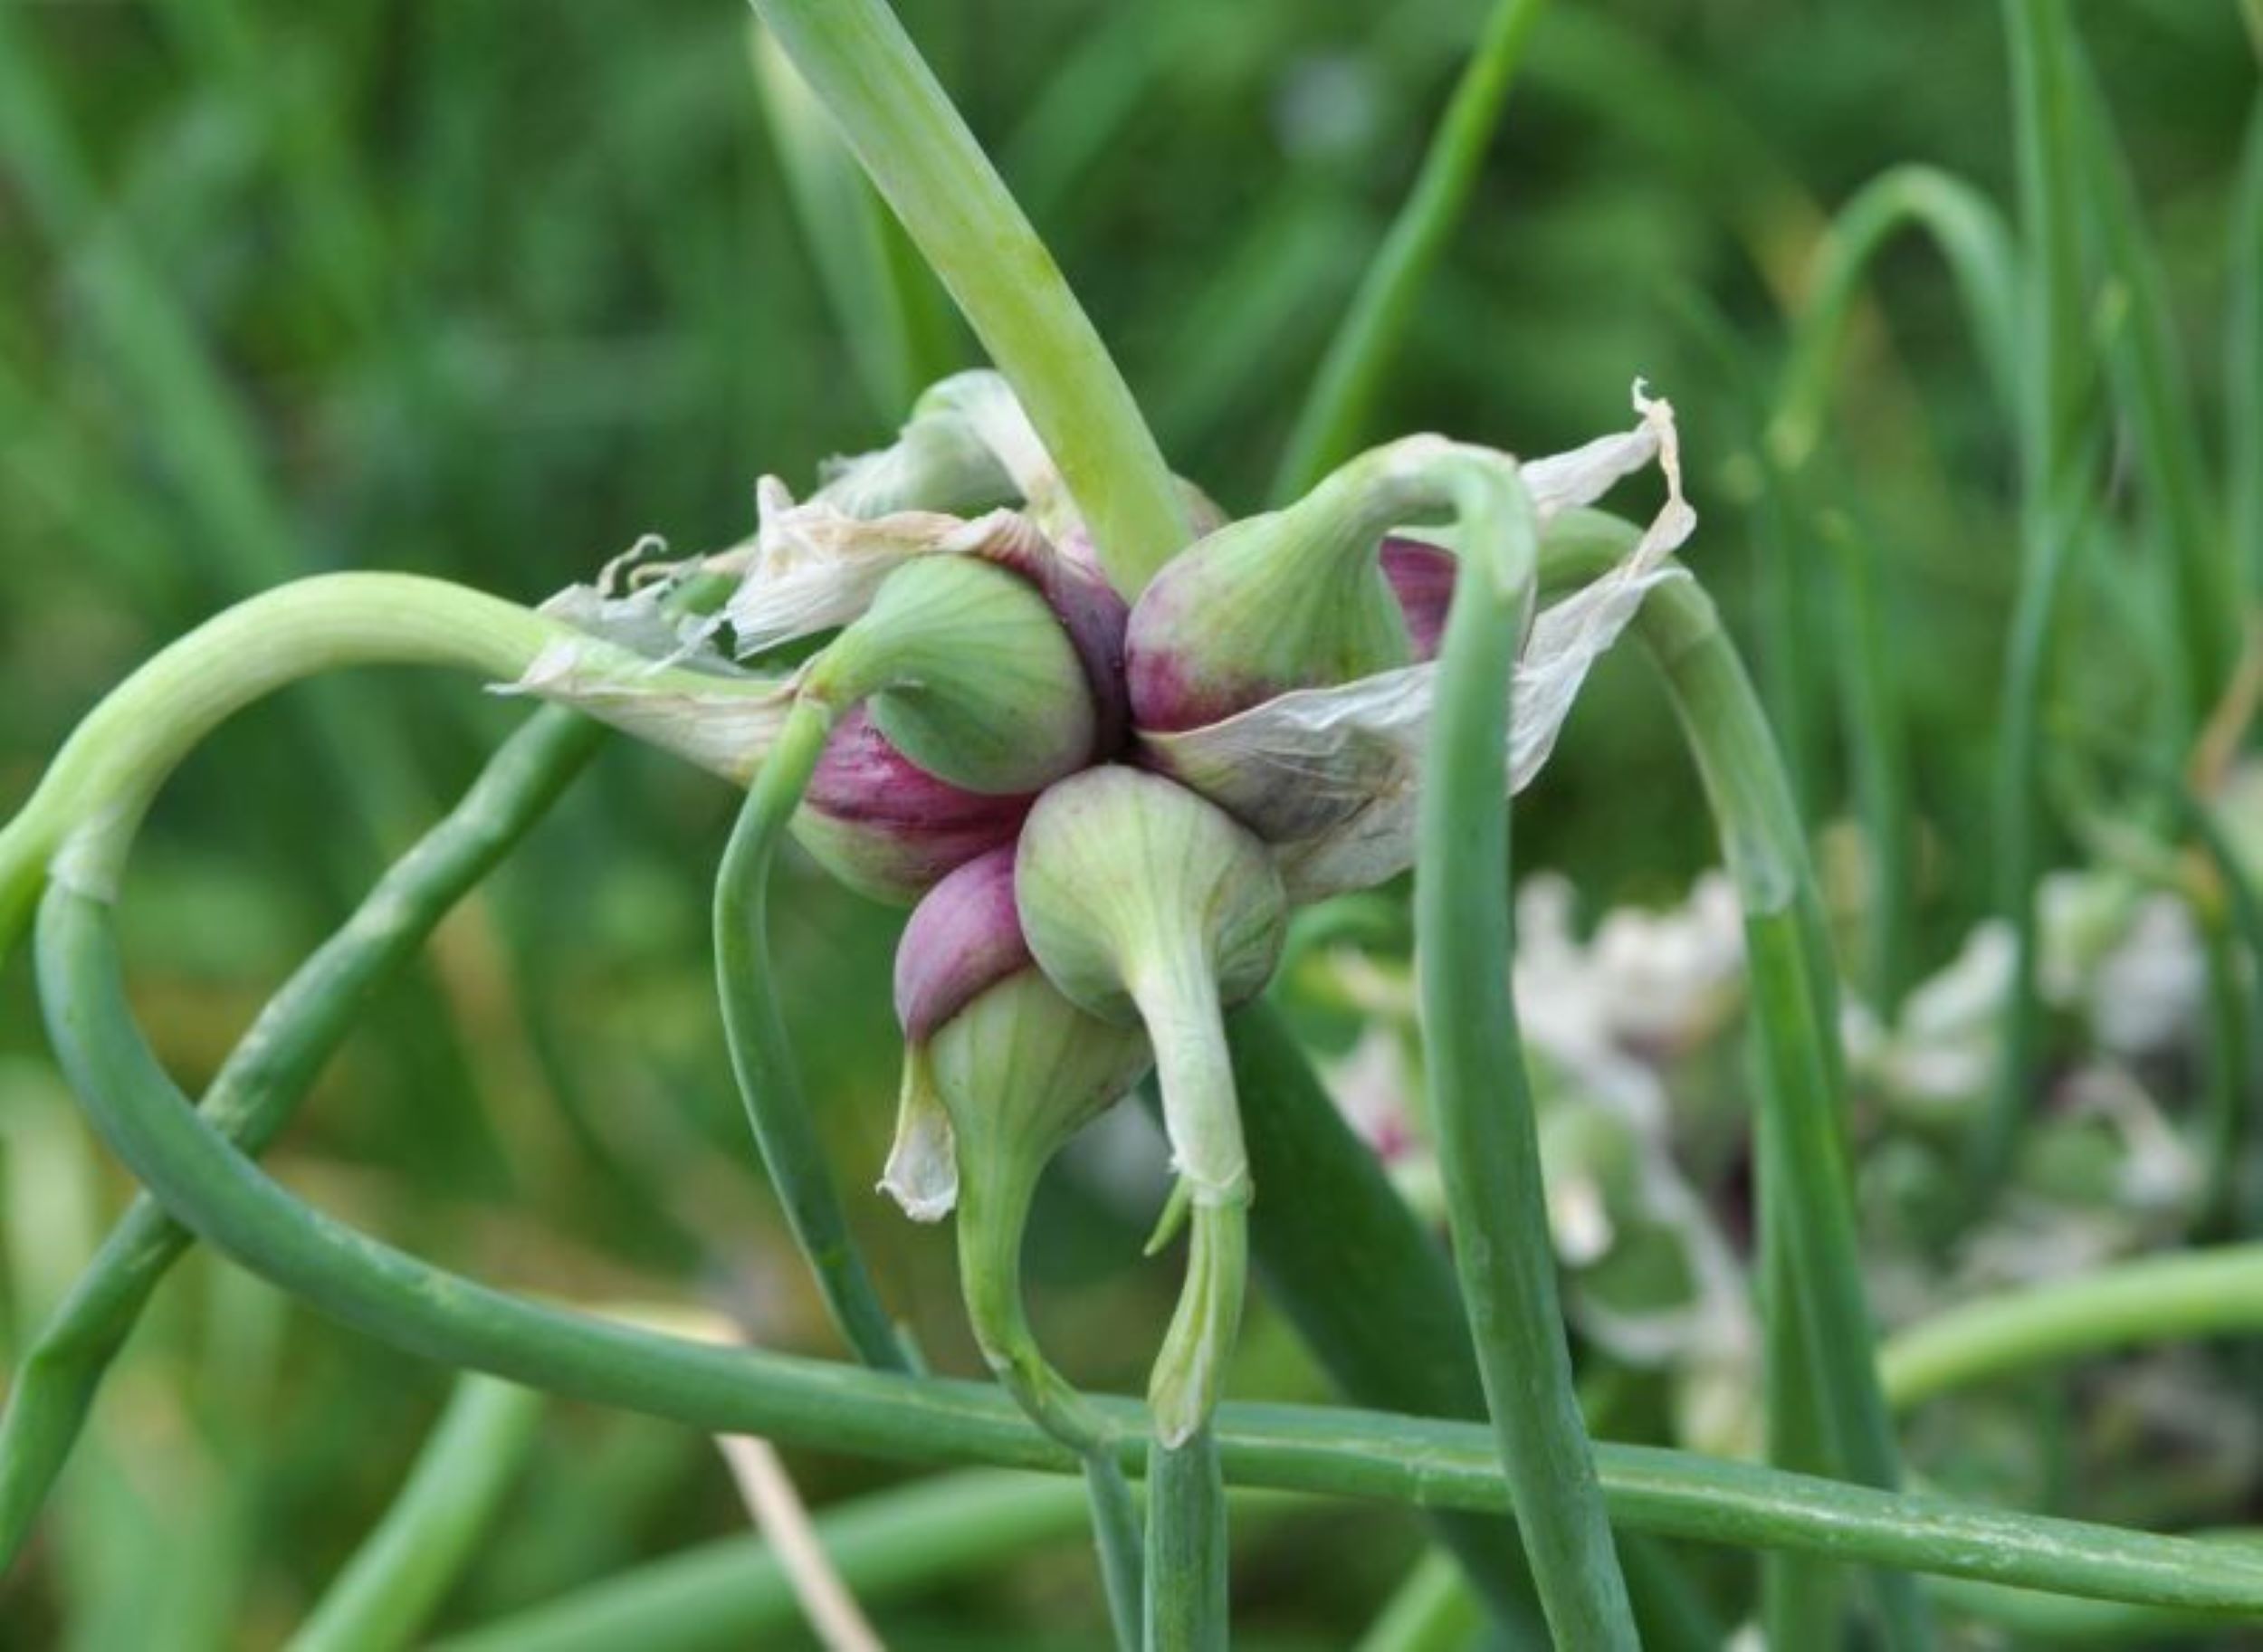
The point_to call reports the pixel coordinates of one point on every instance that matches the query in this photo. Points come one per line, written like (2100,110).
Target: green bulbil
(969,673)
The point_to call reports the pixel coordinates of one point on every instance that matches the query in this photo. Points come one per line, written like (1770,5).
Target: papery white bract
(724,723)
(812,565)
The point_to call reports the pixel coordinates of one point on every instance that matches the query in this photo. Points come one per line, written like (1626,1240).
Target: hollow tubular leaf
(1488,1144)
(857,59)
(440,1315)
(261,1085)
(1364,1283)
(2154,1299)
(761,1052)
(81,821)
(1187,1545)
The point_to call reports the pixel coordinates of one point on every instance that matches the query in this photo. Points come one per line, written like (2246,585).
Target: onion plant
(1110,747)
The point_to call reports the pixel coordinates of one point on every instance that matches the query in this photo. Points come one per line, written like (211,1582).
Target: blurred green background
(489,289)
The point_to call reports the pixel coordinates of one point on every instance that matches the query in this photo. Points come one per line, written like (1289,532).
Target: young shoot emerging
(1148,906)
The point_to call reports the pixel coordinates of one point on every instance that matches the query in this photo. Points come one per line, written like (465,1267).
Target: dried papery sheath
(1330,776)
(988,410)
(814,566)
(719,718)
(632,602)
(886,826)
(818,564)
(969,673)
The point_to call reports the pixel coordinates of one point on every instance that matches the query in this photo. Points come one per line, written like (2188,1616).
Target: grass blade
(2052,368)
(2243,359)
(1973,240)
(397,1579)
(848,235)
(2156,404)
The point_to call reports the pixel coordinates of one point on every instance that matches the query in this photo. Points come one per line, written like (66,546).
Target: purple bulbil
(963,939)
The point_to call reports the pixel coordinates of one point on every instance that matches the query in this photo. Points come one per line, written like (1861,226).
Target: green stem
(1336,408)
(2155,1299)
(1811,1250)
(856,57)
(1187,1546)
(1361,1278)
(761,1053)
(428,1311)
(2056,1621)
(734,1593)
(991,1219)
(1190,1367)
(389,1589)
(259,1086)
(1488,1144)
(1187,1555)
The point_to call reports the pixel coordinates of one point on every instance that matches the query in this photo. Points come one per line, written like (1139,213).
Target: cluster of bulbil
(1057,781)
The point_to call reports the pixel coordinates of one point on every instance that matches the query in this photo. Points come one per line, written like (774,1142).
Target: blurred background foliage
(487,289)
